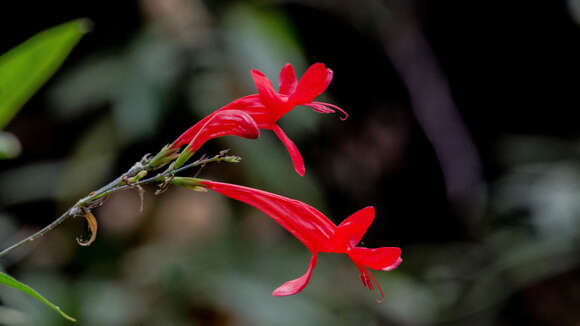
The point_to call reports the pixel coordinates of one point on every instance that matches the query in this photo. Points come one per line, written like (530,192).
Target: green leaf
(12,282)
(25,68)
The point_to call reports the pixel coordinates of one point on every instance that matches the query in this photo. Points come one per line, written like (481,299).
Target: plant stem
(115,186)
(38,234)
(158,178)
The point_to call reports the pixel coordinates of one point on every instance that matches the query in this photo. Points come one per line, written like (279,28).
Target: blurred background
(462,133)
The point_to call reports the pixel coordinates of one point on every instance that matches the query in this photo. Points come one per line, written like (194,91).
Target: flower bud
(162,157)
(232,159)
(189,183)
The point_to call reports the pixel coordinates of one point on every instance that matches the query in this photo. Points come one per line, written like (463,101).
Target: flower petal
(384,258)
(292,149)
(314,81)
(267,93)
(287,80)
(329,75)
(306,223)
(188,135)
(394,265)
(352,229)
(218,124)
(297,285)
(253,105)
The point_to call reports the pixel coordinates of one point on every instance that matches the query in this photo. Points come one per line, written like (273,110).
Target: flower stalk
(123,182)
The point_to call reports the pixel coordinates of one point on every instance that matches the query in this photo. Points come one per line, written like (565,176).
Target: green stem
(75,209)
(115,186)
(161,177)
(38,234)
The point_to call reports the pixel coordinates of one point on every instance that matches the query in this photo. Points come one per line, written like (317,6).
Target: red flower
(317,233)
(291,93)
(218,124)
(268,106)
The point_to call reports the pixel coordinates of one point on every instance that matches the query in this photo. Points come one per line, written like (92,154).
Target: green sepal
(189,183)
(165,155)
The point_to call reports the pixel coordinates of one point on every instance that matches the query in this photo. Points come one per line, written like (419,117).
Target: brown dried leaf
(92,223)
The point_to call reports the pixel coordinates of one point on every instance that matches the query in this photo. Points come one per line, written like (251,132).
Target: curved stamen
(377,284)
(345,115)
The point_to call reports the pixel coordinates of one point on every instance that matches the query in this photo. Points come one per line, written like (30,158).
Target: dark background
(462,133)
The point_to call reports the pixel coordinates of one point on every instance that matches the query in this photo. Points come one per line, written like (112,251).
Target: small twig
(97,198)
(38,234)
(163,186)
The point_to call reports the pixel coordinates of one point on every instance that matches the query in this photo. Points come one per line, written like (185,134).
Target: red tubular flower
(268,106)
(317,233)
(291,93)
(218,124)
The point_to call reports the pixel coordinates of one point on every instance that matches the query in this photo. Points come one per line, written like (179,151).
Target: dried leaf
(92,223)
(141,192)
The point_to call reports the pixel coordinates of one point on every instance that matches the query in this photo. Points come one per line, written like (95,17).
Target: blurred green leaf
(9,146)
(95,151)
(22,184)
(130,81)
(26,67)
(12,282)
(263,38)
(10,316)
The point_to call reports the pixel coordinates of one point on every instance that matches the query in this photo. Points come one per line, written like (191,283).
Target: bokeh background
(463,134)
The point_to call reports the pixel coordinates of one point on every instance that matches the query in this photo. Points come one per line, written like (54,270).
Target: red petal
(253,105)
(384,258)
(188,135)
(287,80)
(394,265)
(292,149)
(329,75)
(297,285)
(250,104)
(267,93)
(314,81)
(306,223)
(218,124)
(352,229)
